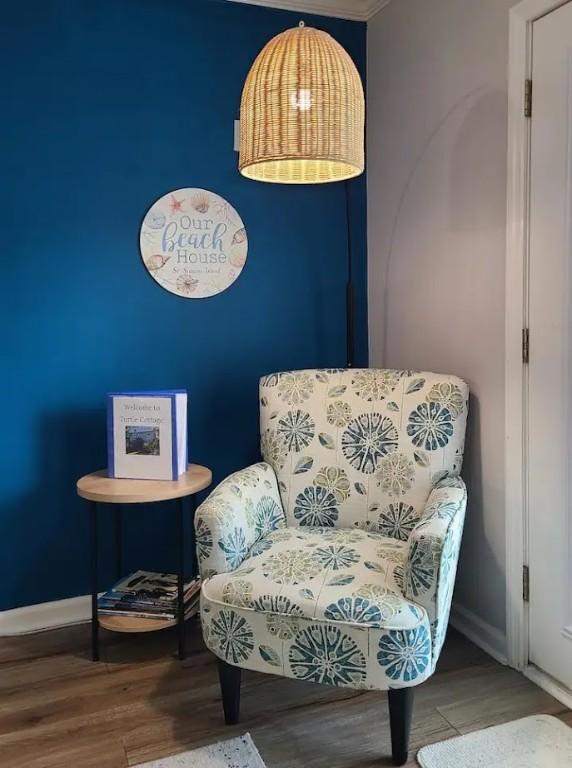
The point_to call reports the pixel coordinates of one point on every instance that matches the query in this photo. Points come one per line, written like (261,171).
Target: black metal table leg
(180,579)
(118,541)
(94,582)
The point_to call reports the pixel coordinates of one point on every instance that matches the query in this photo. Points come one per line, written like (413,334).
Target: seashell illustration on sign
(198,246)
(239,236)
(157,261)
(155,220)
(200,202)
(239,248)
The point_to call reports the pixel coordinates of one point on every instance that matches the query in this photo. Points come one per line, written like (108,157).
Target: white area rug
(234,753)
(533,742)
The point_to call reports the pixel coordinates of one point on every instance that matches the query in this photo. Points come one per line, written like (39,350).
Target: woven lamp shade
(302,113)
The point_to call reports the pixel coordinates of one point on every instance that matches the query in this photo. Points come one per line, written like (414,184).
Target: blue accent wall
(106,105)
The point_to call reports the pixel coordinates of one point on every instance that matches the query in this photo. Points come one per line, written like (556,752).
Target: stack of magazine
(149,595)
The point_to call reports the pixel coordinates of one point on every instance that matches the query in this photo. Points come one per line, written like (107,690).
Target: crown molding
(375,6)
(354,10)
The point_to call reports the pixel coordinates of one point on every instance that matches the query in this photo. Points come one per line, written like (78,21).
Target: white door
(550,380)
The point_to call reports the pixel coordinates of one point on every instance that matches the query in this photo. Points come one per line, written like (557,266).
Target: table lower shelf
(137,623)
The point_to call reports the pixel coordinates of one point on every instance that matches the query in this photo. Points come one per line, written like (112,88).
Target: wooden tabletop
(99,487)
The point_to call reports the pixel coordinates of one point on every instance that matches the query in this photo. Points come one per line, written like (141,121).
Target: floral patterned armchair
(334,560)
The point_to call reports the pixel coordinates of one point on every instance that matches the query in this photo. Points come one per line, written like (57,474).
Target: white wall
(437,123)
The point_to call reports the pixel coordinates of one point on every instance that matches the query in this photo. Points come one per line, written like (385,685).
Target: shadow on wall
(452,188)
(475,547)
(445,274)
(477,159)
(477,204)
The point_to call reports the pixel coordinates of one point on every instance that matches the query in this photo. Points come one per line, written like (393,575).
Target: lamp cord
(349,287)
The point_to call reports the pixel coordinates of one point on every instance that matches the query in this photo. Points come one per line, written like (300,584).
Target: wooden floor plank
(84,746)
(350,735)
(57,708)
(501,695)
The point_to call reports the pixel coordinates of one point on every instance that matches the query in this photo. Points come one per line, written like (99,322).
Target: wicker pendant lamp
(302,112)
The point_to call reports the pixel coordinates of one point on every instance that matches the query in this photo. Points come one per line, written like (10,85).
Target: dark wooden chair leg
(229,677)
(400,713)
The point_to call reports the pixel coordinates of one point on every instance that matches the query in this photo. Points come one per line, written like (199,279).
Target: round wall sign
(193,243)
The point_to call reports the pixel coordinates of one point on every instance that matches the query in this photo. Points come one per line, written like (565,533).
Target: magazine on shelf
(191,608)
(148,595)
(147,435)
(145,598)
(140,605)
(160,585)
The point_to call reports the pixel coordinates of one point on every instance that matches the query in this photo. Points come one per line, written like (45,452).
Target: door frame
(521,18)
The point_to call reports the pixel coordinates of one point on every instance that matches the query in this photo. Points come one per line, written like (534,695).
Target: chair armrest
(434,547)
(241,510)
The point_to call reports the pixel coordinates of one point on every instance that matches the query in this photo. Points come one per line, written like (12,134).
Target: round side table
(98,488)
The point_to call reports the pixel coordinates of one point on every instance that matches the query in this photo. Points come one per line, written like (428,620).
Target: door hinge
(525,346)
(525,583)
(527,98)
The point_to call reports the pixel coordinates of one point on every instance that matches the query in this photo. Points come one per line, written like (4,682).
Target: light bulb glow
(301,99)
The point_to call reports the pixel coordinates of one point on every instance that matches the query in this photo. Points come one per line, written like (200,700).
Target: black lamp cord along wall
(349,287)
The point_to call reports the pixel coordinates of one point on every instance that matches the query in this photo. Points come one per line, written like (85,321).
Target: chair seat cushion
(320,604)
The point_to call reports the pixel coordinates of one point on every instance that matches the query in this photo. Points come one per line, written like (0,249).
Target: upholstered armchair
(334,559)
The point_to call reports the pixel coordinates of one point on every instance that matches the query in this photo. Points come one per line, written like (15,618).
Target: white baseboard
(37,618)
(490,639)
(549,684)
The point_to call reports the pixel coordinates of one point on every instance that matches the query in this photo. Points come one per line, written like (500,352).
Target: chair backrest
(361,447)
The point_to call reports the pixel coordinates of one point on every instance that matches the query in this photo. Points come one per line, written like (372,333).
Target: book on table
(147,435)
(149,595)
